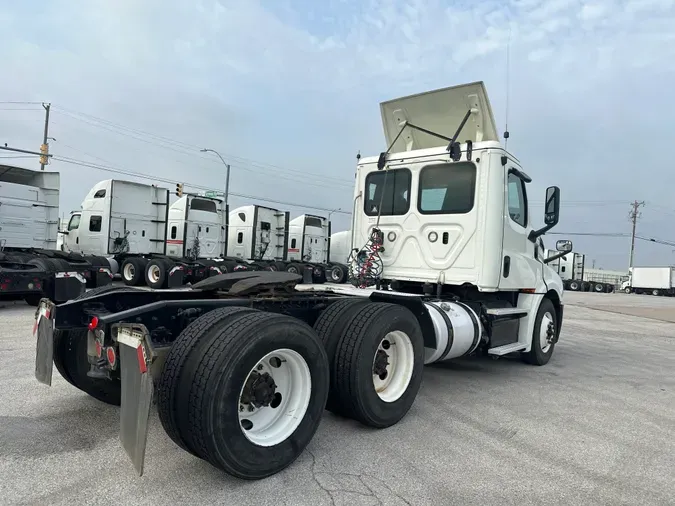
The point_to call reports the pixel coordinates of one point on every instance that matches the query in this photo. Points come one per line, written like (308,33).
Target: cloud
(296,85)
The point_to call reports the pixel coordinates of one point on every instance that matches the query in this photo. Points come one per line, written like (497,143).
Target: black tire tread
(346,360)
(329,326)
(349,403)
(175,361)
(532,357)
(227,338)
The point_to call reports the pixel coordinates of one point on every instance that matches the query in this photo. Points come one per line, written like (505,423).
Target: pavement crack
(318,482)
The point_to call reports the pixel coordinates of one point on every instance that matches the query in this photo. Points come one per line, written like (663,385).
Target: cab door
(71,240)
(519,265)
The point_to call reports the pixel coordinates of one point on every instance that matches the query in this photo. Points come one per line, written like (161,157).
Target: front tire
(544,335)
(378,365)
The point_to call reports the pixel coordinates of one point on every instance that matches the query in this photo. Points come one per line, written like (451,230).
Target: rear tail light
(93,323)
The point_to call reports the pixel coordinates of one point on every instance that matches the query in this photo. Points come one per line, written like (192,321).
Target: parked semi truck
(31,264)
(147,240)
(651,280)
(268,239)
(340,250)
(571,268)
(244,364)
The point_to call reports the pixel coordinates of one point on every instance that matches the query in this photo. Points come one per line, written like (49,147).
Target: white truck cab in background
(147,239)
(268,239)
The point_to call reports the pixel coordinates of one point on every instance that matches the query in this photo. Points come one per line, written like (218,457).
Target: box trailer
(32,266)
(651,280)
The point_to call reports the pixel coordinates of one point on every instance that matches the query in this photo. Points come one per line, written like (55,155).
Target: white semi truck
(32,265)
(571,268)
(651,280)
(268,239)
(449,264)
(147,240)
(340,251)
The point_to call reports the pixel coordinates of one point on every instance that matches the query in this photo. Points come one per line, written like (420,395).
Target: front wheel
(627,289)
(544,335)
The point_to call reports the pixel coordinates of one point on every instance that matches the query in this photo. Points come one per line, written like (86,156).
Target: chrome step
(506,349)
(506,311)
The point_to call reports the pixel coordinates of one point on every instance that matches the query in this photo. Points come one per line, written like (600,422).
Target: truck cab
(70,233)
(197,228)
(459,218)
(308,239)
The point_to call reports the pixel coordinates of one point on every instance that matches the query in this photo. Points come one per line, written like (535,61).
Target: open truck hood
(440,111)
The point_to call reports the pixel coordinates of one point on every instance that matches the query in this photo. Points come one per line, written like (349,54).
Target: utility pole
(633,216)
(45,147)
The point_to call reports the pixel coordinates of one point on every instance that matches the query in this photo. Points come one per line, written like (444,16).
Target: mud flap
(137,389)
(44,349)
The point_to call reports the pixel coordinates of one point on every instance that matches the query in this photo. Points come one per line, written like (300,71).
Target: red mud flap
(136,358)
(44,348)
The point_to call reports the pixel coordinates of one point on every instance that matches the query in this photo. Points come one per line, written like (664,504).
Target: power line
(19,102)
(599,234)
(186,148)
(191,185)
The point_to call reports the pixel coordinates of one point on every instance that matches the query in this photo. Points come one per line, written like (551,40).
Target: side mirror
(552,206)
(564,246)
(551,212)
(64,232)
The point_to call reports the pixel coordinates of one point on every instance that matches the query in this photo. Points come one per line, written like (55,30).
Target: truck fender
(416,305)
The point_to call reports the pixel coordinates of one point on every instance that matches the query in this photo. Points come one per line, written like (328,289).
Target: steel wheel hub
(259,390)
(546,332)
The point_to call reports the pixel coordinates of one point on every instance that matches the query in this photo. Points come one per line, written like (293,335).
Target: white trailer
(651,280)
(449,264)
(31,263)
(152,242)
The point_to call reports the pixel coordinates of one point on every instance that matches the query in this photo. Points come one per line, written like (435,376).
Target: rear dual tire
(376,356)
(133,271)
(210,406)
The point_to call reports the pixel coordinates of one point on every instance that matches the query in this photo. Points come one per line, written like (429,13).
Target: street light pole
(334,211)
(227,175)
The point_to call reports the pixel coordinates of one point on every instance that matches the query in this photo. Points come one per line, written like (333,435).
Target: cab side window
(517,200)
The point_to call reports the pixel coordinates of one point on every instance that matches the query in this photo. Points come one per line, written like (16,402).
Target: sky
(289,91)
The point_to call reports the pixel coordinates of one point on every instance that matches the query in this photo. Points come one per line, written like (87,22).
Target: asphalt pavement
(594,426)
